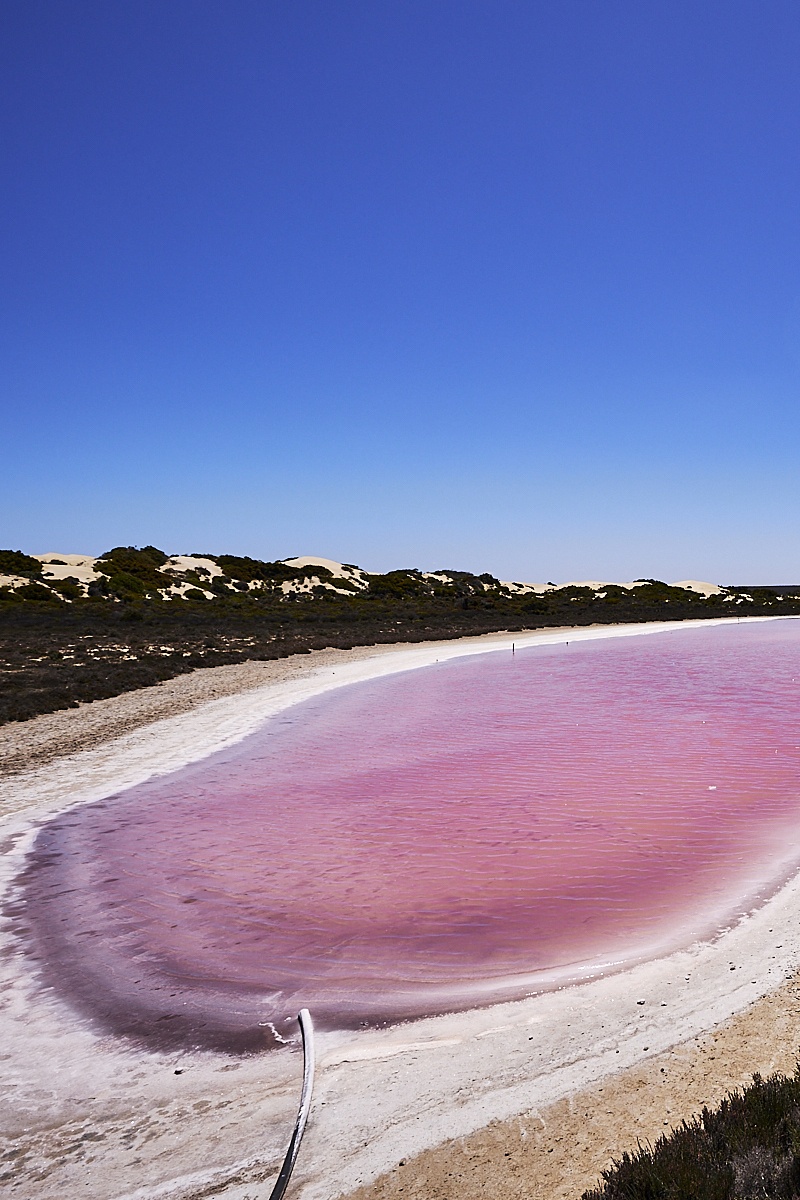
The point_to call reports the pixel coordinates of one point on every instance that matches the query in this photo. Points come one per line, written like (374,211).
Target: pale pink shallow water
(457,834)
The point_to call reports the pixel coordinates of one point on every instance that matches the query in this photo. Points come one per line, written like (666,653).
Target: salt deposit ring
(470,831)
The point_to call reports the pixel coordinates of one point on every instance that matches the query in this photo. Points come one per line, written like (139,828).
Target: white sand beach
(526,1098)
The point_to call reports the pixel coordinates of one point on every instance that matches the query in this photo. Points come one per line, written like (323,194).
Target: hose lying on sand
(307,1030)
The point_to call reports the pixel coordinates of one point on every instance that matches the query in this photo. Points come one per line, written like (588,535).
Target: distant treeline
(62,643)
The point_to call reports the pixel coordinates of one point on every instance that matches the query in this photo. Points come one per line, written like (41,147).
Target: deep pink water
(456,834)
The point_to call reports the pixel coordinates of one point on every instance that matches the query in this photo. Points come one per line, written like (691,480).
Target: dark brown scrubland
(60,647)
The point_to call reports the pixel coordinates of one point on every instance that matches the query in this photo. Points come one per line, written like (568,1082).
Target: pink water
(461,833)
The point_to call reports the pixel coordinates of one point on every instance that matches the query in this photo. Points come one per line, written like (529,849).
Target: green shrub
(35,591)
(68,587)
(246,570)
(14,562)
(128,562)
(221,586)
(122,582)
(536,604)
(656,589)
(748,1147)
(577,593)
(399,584)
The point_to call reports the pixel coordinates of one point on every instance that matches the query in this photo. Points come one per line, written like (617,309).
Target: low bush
(398,585)
(123,584)
(221,586)
(246,570)
(68,588)
(746,1149)
(14,562)
(126,562)
(35,591)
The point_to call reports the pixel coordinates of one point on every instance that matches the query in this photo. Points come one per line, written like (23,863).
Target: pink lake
(458,834)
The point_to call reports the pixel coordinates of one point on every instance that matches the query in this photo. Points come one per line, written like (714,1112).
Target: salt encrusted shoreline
(510,1096)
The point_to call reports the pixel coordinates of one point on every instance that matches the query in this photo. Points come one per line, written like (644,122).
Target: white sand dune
(13,581)
(187,562)
(696,585)
(339,570)
(63,566)
(598,585)
(57,566)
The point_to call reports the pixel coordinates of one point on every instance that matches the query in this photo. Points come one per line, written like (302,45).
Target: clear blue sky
(490,285)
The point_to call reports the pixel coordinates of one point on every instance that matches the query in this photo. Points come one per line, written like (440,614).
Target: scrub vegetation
(14,562)
(746,1149)
(145,617)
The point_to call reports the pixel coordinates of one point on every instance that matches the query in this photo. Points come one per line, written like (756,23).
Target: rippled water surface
(464,832)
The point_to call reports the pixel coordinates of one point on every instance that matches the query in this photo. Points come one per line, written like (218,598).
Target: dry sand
(558,1152)
(530,1098)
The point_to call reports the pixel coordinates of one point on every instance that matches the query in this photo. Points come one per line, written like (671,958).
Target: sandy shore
(529,1098)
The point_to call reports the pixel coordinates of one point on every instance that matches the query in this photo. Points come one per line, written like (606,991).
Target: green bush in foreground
(746,1149)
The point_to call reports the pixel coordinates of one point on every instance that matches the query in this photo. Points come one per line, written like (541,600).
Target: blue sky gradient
(488,285)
